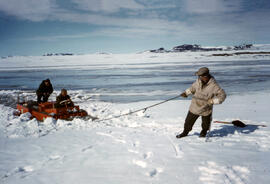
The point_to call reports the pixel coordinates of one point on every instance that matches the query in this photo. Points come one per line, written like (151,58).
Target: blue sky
(35,27)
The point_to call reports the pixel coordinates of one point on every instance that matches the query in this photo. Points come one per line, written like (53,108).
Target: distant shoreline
(239,53)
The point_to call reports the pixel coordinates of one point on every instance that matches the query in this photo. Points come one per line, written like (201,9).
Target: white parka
(202,93)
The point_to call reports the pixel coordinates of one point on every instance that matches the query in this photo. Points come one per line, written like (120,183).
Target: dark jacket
(61,98)
(45,89)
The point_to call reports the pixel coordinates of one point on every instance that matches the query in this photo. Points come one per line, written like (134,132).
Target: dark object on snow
(203,133)
(236,123)
(44,91)
(183,134)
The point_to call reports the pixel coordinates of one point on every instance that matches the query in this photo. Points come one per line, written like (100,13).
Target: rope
(142,109)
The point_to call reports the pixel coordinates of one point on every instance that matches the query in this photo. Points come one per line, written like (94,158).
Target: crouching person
(63,100)
(206,93)
(44,91)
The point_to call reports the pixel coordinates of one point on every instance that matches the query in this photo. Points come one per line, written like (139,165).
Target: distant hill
(195,48)
(58,54)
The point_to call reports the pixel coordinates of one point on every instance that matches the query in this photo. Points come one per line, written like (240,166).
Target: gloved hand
(184,95)
(210,101)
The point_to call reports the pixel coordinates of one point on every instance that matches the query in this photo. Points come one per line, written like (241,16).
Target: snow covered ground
(140,148)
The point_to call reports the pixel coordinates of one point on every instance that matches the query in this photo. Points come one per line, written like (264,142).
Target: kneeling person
(63,100)
(44,91)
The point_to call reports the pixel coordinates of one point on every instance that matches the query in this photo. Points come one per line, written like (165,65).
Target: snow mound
(23,126)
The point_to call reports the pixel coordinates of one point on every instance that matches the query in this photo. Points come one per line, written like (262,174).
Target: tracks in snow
(212,172)
(140,158)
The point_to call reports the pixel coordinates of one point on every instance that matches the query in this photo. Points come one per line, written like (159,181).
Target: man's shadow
(226,130)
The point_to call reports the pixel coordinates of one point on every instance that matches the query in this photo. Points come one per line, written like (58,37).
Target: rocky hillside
(195,47)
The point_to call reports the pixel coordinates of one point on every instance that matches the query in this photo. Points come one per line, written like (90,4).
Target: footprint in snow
(155,172)
(119,140)
(54,157)
(87,148)
(176,148)
(24,169)
(136,144)
(147,155)
(104,134)
(211,172)
(140,163)
(19,170)
(133,151)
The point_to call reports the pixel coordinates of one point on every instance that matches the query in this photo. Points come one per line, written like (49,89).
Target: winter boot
(183,134)
(203,133)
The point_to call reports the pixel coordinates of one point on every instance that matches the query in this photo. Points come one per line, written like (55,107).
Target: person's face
(63,93)
(47,83)
(204,79)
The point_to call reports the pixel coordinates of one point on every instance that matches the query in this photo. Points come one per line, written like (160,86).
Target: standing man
(206,93)
(44,91)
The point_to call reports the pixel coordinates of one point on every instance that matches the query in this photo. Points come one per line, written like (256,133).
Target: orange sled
(44,110)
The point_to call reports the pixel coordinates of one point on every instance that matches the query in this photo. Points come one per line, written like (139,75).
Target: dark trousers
(191,119)
(43,97)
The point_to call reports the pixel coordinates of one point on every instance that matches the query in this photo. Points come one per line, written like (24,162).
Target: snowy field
(140,148)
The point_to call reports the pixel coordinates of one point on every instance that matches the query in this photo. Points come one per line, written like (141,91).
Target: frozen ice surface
(134,77)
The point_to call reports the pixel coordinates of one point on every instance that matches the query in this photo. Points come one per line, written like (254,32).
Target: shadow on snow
(226,130)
